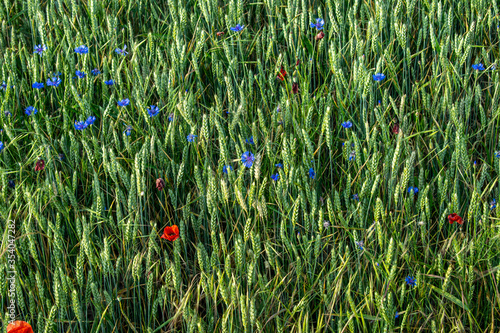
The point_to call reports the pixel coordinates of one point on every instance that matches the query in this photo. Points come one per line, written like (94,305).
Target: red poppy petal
(19,326)
(171,233)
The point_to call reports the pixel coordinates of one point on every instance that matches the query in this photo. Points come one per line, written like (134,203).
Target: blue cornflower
(1,146)
(275,177)
(319,24)
(497,154)
(109,82)
(414,189)
(279,165)
(54,82)
(39,49)
(493,204)
(3,86)
(278,109)
(312,174)
(128,131)
(247,158)
(359,244)
(62,157)
(153,110)
(224,169)
(238,27)
(347,124)
(352,155)
(12,184)
(411,281)
(478,67)
(37,85)
(355,197)
(378,77)
(191,137)
(80,125)
(82,49)
(7,113)
(397,314)
(80,74)
(124,102)
(250,140)
(95,72)
(171,117)
(122,51)
(90,120)
(30,110)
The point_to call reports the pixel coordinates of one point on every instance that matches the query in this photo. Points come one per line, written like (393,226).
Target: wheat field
(250,166)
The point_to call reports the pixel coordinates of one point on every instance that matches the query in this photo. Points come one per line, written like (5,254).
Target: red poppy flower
(295,87)
(220,33)
(455,218)
(297,63)
(395,128)
(19,326)
(171,233)
(40,165)
(282,74)
(320,35)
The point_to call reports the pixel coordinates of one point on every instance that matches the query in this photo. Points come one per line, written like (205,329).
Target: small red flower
(19,326)
(320,35)
(282,74)
(395,128)
(455,218)
(295,88)
(297,63)
(160,184)
(220,33)
(171,233)
(40,165)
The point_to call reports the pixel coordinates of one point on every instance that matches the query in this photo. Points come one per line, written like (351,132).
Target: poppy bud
(160,184)
(295,88)
(282,74)
(395,129)
(40,165)
(220,33)
(320,35)
(297,63)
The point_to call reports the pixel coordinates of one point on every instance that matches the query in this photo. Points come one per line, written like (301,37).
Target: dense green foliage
(329,253)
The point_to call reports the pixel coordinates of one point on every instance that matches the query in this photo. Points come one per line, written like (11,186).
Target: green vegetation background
(254,254)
